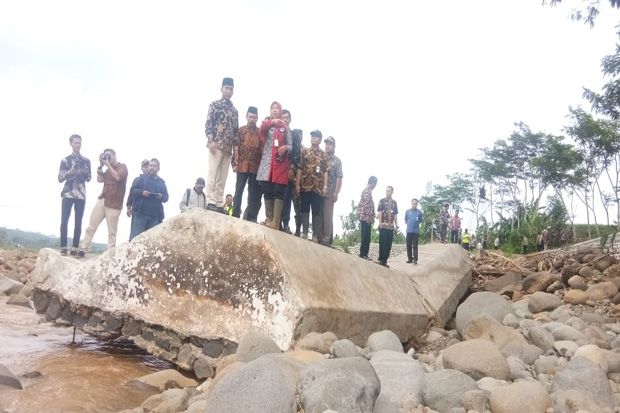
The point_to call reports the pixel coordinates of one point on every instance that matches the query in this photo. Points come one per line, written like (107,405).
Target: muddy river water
(59,376)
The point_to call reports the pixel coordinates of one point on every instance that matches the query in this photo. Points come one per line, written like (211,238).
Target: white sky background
(409,89)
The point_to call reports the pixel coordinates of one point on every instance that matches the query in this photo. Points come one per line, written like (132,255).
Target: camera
(104,157)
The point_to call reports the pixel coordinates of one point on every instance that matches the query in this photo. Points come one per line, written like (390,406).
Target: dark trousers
(141,223)
(78,206)
(365,231)
(524,249)
(465,245)
(311,200)
(254,195)
(443,230)
(412,246)
(272,190)
(386,236)
(291,198)
(454,236)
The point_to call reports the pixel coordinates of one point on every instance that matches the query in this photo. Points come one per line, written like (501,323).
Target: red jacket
(278,169)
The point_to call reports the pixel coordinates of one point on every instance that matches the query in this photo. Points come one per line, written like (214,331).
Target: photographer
(149,195)
(74,171)
(110,202)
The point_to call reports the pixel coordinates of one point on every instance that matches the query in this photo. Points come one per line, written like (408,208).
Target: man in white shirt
(194,197)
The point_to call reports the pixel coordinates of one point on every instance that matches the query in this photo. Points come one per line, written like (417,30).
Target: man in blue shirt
(413,217)
(149,195)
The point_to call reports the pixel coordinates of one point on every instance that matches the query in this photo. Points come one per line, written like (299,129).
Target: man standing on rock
(110,202)
(222,129)
(388,224)
(150,194)
(290,197)
(74,171)
(334,183)
(194,197)
(245,161)
(444,221)
(455,227)
(366,216)
(413,218)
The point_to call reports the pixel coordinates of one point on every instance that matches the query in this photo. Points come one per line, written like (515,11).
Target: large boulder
(170,401)
(477,358)
(541,301)
(401,377)
(537,281)
(483,302)
(513,398)
(255,344)
(487,328)
(445,389)
(9,286)
(541,338)
(343,385)
(384,340)
(344,348)
(575,297)
(319,342)
(602,291)
(511,281)
(582,375)
(577,282)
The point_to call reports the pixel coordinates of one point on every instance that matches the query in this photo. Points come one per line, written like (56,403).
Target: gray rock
(187,356)
(565,332)
(19,299)
(384,340)
(26,291)
(264,387)
(344,348)
(384,406)
(510,281)
(198,407)
(481,303)
(555,286)
(170,401)
(477,358)
(546,365)
(565,347)
(541,338)
(9,286)
(319,342)
(203,368)
(543,302)
(477,400)
(537,281)
(518,369)
(528,353)
(445,389)
(255,344)
(344,385)
(577,282)
(613,362)
(572,401)
(8,379)
(582,375)
(601,291)
(511,320)
(514,397)
(488,384)
(575,297)
(401,377)
(561,314)
(486,327)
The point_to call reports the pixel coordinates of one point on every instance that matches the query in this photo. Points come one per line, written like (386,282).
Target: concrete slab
(203,274)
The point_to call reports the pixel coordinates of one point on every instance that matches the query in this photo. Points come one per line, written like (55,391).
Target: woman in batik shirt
(275,137)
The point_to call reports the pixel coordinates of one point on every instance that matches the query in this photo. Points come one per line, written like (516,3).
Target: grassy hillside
(11,238)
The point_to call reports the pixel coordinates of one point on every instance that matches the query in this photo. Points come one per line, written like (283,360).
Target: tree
(591,11)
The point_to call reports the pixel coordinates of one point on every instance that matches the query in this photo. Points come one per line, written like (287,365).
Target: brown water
(89,376)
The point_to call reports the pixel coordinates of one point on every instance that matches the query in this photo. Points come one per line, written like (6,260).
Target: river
(62,377)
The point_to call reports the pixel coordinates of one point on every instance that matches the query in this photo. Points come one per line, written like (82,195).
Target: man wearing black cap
(334,182)
(222,129)
(245,161)
(194,197)
(312,184)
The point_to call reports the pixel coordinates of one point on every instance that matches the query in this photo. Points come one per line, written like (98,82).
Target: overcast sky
(409,89)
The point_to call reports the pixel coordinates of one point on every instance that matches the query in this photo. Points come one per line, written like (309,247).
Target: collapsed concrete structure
(203,279)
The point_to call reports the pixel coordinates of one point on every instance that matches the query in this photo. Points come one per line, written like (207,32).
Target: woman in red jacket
(275,137)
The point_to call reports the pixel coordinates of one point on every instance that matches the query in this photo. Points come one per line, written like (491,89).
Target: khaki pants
(219,163)
(99,213)
(328,220)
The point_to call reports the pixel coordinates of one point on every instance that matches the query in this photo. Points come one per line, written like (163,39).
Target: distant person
(545,236)
(444,221)
(109,205)
(149,196)
(221,129)
(334,183)
(496,242)
(290,197)
(540,245)
(245,161)
(366,216)
(465,239)
(388,224)
(74,171)
(484,241)
(194,197)
(455,227)
(413,218)
(144,168)
(228,205)
(524,245)
(273,170)
(312,185)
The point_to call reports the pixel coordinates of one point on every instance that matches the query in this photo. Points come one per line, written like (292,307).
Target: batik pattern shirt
(313,165)
(334,166)
(222,126)
(366,207)
(444,218)
(249,153)
(75,185)
(387,210)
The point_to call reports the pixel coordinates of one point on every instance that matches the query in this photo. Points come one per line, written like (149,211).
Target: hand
(107,163)
(234,167)
(334,198)
(212,147)
(129,212)
(297,189)
(146,194)
(282,150)
(275,122)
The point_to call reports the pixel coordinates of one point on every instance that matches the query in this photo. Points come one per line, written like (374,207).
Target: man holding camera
(74,171)
(110,203)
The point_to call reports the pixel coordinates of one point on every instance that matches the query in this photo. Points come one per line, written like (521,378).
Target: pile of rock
(15,268)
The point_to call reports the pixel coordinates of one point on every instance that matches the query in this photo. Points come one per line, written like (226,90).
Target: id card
(318,169)
(276,142)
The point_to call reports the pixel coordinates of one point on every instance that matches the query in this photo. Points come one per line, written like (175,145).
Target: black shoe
(73,253)
(415,262)
(63,251)
(287,229)
(409,261)
(384,264)
(213,207)
(80,254)
(365,257)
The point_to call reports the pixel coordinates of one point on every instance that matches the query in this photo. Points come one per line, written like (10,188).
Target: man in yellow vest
(465,240)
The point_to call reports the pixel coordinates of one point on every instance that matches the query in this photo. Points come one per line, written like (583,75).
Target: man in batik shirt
(388,224)
(222,129)
(245,162)
(334,182)
(366,216)
(312,184)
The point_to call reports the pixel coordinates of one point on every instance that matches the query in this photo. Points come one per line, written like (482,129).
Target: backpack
(188,192)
